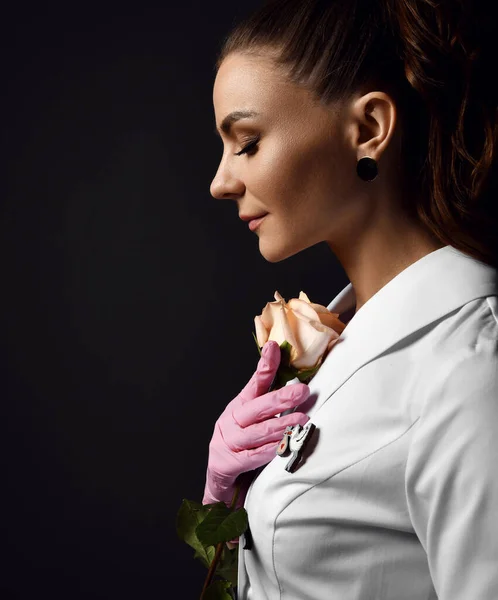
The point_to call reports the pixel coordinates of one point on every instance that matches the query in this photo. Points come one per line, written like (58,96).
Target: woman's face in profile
(296,163)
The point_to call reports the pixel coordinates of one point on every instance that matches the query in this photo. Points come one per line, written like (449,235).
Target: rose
(310,329)
(305,332)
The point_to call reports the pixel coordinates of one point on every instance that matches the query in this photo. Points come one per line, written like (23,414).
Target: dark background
(128,294)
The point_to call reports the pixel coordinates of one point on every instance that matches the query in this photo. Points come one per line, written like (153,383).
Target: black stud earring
(367,169)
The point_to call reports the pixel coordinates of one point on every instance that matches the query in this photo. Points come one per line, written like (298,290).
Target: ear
(372,121)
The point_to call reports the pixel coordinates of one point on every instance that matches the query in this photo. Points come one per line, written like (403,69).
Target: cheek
(300,175)
(279,173)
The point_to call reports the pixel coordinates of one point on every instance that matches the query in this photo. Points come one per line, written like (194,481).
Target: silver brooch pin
(292,443)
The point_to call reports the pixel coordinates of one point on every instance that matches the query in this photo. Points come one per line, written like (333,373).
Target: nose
(225,185)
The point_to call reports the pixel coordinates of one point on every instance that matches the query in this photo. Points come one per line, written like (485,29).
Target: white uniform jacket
(396,497)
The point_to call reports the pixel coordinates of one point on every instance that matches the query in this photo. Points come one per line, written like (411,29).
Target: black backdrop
(128,294)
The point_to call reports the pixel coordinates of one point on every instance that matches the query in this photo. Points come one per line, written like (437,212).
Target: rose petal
(330,320)
(324,315)
(318,337)
(331,343)
(330,346)
(307,333)
(281,330)
(270,313)
(298,331)
(261,331)
(310,328)
(319,308)
(303,307)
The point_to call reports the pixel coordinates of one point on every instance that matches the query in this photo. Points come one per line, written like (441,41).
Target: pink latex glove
(247,432)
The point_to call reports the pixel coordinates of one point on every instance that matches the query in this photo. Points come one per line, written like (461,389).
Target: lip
(255,223)
(251,217)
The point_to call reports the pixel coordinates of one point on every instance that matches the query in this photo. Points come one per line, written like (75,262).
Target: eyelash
(249,146)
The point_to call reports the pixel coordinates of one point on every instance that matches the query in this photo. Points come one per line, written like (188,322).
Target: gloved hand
(246,434)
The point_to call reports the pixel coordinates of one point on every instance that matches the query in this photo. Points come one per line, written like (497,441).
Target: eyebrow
(236,115)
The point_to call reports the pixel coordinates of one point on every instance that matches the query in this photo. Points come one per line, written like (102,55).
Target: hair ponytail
(437,58)
(446,48)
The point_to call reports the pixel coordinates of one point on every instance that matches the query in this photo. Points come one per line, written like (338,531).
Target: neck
(388,246)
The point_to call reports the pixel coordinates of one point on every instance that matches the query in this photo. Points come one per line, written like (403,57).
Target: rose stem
(219,548)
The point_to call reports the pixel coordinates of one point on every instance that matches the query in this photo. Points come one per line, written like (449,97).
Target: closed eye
(248,148)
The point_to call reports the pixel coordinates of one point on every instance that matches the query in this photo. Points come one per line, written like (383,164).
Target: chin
(273,252)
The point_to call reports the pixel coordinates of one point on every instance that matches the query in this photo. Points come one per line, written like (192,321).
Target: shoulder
(459,361)
(457,395)
(450,478)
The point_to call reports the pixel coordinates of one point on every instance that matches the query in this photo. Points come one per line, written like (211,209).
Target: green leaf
(210,551)
(210,506)
(222,524)
(257,343)
(285,351)
(218,591)
(227,568)
(306,375)
(189,517)
(284,374)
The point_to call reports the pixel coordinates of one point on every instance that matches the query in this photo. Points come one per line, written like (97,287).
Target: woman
(369,125)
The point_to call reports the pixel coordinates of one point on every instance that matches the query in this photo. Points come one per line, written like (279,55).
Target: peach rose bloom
(310,328)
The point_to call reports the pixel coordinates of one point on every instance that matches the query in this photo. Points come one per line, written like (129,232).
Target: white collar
(428,289)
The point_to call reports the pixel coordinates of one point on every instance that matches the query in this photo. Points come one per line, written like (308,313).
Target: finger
(253,458)
(260,456)
(259,434)
(265,372)
(270,404)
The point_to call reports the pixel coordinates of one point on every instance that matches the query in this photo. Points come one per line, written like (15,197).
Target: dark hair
(437,61)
